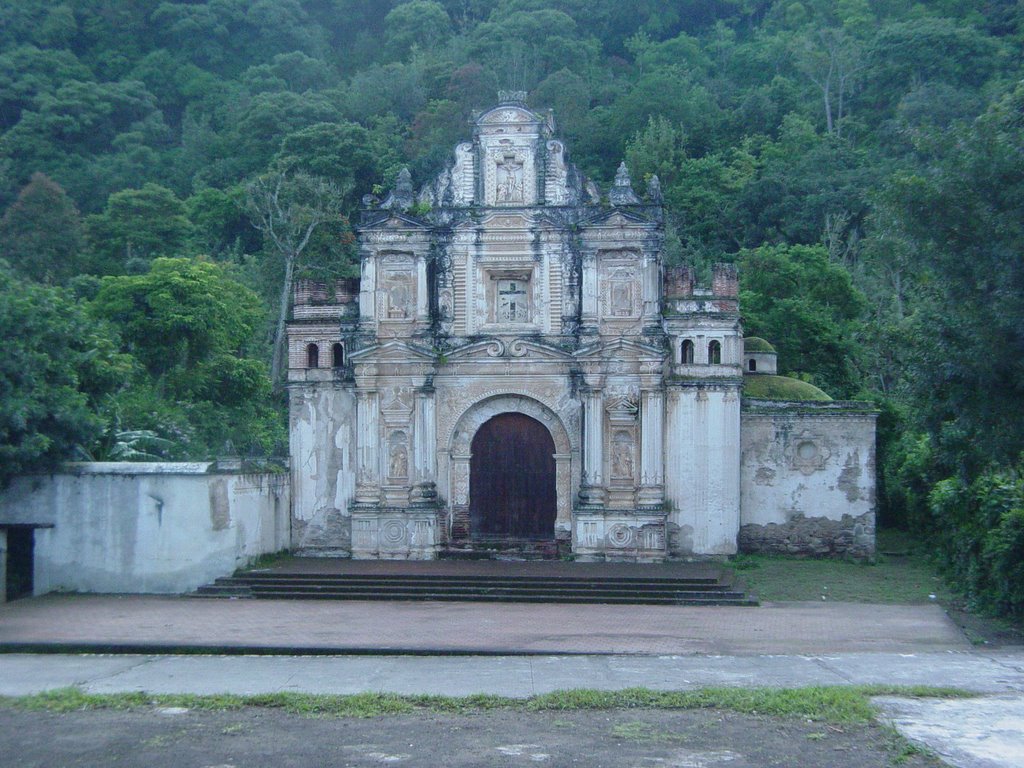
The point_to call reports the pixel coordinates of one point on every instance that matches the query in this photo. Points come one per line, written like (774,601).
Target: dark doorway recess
(512,479)
(20,543)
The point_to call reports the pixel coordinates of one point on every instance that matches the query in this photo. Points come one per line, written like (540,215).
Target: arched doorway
(512,479)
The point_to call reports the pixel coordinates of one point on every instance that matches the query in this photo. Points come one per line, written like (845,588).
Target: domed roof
(757,344)
(781,388)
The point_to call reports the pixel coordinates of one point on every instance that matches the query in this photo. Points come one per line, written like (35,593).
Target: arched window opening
(312,356)
(338,356)
(715,353)
(752,365)
(687,352)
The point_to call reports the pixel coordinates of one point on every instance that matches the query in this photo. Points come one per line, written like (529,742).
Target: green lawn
(905,577)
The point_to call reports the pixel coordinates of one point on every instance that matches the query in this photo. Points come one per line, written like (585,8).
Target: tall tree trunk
(279,356)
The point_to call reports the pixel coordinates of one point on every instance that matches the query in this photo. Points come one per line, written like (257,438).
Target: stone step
(448,596)
(471,581)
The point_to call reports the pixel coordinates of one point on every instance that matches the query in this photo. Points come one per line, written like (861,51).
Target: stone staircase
(637,585)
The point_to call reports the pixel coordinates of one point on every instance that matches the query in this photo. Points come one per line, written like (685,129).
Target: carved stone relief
(398,456)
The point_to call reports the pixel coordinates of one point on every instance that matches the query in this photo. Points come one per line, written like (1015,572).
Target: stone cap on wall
(816,407)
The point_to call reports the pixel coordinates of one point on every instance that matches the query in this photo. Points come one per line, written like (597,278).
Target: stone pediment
(392,351)
(394,220)
(496,349)
(501,220)
(620,349)
(617,218)
(507,114)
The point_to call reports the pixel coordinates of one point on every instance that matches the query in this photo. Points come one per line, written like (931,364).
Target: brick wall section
(725,281)
(678,282)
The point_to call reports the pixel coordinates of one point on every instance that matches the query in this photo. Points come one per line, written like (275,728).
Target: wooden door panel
(512,479)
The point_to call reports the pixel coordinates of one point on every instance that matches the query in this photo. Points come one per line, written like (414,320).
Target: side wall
(146,528)
(808,479)
(702,448)
(323,462)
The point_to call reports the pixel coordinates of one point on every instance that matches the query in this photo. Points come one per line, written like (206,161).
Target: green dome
(781,388)
(757,344)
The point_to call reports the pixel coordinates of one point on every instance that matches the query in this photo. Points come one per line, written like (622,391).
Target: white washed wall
(323,467)
(702,470)
(146,527)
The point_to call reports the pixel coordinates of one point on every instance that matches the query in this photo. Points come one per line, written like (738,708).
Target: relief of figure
(399,298)
(398,466)
(621,299)
(510,181)
(622,456)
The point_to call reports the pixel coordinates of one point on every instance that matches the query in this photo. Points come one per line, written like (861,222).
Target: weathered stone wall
(146,528)
(808,478)
(702,440)
(323,465)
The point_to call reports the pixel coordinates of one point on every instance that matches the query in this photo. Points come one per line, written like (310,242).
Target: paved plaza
(112,644)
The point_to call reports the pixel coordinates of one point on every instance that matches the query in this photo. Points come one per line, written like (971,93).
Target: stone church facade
(515,363)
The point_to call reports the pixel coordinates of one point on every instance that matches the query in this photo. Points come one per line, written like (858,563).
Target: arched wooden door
(512,479)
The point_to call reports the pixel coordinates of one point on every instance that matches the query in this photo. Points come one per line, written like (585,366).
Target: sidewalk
(74,623)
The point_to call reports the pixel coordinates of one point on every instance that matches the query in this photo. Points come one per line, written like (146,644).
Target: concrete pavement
(146,624)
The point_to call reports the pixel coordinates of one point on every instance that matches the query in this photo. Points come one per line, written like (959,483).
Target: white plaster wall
(323,466)
(146,528)
(778,483)
(702,470)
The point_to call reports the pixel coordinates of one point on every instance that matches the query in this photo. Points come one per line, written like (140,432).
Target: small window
(312,356)
(338,356)
(715,353)
(687,352)
(752,365)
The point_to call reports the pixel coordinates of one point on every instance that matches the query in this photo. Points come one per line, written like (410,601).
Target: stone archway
(512,479)
(460,440)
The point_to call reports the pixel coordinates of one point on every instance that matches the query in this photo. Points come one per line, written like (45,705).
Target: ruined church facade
(515,363)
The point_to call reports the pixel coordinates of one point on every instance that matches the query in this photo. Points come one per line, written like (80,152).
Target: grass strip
(828,704)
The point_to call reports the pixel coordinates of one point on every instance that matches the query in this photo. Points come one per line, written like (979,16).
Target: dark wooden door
(512,479)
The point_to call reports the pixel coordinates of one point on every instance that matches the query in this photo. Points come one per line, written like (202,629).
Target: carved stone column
(422,298)
(368,293)
(424,453)
(588,317)
(652,453)
(591,490)
(367,442)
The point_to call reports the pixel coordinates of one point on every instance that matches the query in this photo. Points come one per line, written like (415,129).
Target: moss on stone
(781,388)
(756,344)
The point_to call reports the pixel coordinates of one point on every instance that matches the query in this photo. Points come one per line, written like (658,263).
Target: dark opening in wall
(715,353)
(338,356)
(20,561)
(687,352)
(752,365)
(312,356)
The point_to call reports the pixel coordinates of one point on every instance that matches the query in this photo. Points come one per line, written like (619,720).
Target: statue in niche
(622,456)
(398,458)
(510,180)
(399,297)
(621,299)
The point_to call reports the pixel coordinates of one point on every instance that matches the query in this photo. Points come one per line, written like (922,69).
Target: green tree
(136,226)
(807,306)
(418,24)
(56,366)
(288,210)
(41,233)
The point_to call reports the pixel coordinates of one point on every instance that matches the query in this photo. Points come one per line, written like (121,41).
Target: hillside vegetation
(860,160)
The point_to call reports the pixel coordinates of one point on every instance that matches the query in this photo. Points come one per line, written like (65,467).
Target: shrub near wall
(981,528)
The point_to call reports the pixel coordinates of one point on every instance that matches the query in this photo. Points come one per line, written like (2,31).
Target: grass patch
(891,579)
(832,704)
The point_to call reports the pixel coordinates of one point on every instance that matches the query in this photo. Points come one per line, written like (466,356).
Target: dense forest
(862,161)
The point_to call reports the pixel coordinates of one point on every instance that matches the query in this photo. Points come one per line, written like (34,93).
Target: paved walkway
(159,624)
(521,650)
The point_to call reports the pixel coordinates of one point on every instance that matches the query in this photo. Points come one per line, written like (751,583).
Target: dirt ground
(264,737)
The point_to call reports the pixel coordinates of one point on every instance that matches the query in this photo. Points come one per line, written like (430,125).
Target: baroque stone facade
(513,330)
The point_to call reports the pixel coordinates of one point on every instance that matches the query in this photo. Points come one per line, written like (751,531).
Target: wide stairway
(486,581)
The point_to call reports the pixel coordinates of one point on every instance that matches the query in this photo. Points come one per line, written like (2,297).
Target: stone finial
(622,191)
(402,196)
(654,189)
(512,97)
